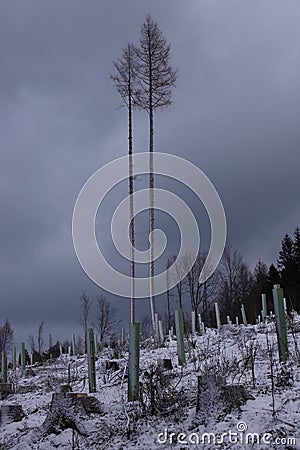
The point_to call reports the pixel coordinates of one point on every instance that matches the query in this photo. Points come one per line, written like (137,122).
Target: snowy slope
(232,352)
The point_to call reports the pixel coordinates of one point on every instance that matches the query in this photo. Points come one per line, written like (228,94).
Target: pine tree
(259,286)
(296,253)
(273,276)
(260,276)
(286,265)
(286,254)
(156,79)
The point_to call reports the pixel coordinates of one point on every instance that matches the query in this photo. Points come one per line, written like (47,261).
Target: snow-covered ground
(234,351)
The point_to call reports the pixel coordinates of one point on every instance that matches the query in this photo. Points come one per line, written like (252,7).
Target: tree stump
(69,410)
(112,365)
(29,372)
(165,363)
(216,399)
(5,390)
(11,413)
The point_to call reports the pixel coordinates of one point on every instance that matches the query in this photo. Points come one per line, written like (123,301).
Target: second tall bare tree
(156,78)
(124,81)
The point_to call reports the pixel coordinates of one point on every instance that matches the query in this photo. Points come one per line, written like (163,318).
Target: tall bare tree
(106,320)
(177,275)
(201,295)
(40,338)
(146,326)
(85,304)
(169,262)
(156,78)
(31,343)
(235,281)
(124,81)
(6,336)
(50,341)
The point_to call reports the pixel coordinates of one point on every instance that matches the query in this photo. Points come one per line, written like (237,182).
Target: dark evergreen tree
(260,274)
(259,286)
(273,277)
(53,351)
(285,261)
(296,254)
(286,265)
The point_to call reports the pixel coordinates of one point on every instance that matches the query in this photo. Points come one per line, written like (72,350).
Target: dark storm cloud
(235,115)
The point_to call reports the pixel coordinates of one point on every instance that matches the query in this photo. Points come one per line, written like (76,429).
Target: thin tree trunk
(131,212)
(151,196)
(151,222)
(179,290)
(168,295)
(168,309)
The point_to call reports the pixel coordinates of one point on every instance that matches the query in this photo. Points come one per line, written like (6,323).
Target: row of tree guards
(280,310)
(134,341)
(280,317)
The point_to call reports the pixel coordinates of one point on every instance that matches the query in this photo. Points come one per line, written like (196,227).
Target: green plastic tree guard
(156,327)
(280,322)
(179,336)
(91,360)
(23,357)
(200,321)
(96,344)
(161,331)
(73,345)
(193,323)
(244,315)
(122,336)
(264,306)
(134,361)
(4,367)
(218,320)
(284,305)
(14,357)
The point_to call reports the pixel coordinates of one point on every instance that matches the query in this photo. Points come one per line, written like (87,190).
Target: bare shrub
(158,395)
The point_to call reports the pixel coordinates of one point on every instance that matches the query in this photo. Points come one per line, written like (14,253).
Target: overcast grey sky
(235,114)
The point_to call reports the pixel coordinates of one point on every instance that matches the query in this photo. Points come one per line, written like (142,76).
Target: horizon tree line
(231,285)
